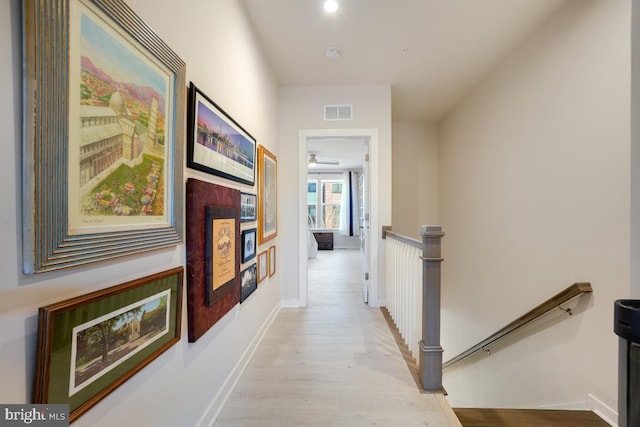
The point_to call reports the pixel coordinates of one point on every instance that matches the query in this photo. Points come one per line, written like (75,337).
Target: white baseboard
(290,303)
(608,414)
(574,406)
(214,408)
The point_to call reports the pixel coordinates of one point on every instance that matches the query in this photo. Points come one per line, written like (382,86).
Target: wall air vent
(338,112)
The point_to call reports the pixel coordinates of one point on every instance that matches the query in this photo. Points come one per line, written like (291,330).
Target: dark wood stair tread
(488,417)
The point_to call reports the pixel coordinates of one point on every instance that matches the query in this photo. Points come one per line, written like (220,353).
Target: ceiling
(431,52)
(348,152)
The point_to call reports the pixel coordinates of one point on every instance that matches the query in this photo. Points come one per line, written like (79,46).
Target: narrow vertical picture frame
(249,244)
(263,266)
(205,309)
(249,282)
(272,260)
(220,249)
(267,195)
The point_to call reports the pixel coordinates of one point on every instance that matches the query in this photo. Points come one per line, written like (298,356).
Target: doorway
(369,244)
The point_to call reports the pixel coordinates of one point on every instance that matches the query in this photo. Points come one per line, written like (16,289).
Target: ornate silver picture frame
(104,107)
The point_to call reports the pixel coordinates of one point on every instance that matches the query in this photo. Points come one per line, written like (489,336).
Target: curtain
(344,204)
(349,204)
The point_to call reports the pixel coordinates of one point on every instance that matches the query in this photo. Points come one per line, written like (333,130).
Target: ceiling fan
(313,162)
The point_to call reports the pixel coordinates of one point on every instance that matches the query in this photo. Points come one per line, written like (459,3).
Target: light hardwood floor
(334,363)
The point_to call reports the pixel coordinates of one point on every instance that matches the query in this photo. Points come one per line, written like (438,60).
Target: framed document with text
(220,248)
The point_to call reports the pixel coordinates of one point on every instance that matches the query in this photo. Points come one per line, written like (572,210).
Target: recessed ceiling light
(330,6)
(332,52)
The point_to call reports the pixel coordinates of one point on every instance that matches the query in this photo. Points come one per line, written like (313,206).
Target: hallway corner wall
(534,185)
(415,177)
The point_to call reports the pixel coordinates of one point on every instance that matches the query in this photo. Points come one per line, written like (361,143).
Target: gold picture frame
(272,260)
(263,266)
(267,195)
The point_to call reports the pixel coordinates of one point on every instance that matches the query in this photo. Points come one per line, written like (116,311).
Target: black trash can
(627,326)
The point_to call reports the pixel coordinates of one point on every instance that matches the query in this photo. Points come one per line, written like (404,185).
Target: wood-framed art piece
(89,345)
(272,260)
(248,207)
(221,248)
(263,266)
(216,143)
(249,282)
(103,135)
(249,245)
(267,195)
(205,309)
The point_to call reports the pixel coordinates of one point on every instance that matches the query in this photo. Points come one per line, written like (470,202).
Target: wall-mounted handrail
(568,294)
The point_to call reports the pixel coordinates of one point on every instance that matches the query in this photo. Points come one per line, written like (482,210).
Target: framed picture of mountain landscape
(216,143)
(103,128)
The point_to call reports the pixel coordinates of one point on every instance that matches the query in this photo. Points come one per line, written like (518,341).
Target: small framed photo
(249,282)
(249,245)
(272,260)
(216,143)
(89,345)
(248,207)
(263,266)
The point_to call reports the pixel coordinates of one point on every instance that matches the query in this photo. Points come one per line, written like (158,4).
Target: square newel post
(430,349)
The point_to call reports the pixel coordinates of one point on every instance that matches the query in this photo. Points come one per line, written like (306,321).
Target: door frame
(372,136)
(365,224)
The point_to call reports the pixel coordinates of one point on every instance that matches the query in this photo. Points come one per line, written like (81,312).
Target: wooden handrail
(408,240)
(571,292)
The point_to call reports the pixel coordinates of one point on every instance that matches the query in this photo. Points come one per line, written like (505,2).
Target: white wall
(415,177)
(534,196)
(180,387)
(301,108)
(635,151)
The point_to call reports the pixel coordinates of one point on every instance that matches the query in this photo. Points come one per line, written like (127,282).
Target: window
(324,211)
(312,202)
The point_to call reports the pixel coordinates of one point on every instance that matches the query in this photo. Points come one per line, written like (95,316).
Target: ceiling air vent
(338,112)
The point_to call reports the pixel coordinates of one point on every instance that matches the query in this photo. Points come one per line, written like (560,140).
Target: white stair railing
(404,288)
(413,297)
